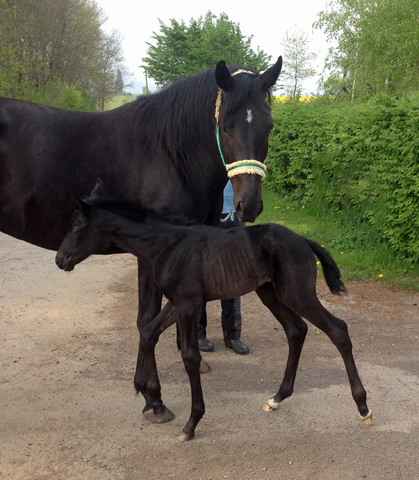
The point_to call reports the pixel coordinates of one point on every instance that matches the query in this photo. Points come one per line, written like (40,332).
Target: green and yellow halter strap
(242,166)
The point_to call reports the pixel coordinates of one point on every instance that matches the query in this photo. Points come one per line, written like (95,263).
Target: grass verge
(117,101)
(361,253)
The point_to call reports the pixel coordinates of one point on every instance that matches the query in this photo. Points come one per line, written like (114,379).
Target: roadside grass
(117,101)
(359,251)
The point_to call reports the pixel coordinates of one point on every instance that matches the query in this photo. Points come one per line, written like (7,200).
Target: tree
(48,46)
(297,62)
(109,60)
(119,83)
(376,46)
(181,50)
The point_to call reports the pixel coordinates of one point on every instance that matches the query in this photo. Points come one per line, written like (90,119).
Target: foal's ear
(99,188)
(269,78)
(223,77)
(80,205)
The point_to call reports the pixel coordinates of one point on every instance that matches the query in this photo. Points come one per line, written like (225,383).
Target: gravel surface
(68,346)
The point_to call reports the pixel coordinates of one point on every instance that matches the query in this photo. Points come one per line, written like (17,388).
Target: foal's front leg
(149,305)
(187,321)
(148,381)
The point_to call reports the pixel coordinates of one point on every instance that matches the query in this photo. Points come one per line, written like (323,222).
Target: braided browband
(242,166)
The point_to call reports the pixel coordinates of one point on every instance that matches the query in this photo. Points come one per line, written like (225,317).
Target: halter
(242,166)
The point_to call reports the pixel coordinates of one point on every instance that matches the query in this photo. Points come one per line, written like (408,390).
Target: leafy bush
(356,161)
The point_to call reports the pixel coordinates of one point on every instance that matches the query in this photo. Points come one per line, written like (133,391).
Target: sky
(136,21)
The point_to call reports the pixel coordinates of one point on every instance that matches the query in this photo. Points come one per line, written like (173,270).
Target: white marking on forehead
(249,117)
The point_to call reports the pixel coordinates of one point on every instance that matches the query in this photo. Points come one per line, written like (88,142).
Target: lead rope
(229,216)
(242,166)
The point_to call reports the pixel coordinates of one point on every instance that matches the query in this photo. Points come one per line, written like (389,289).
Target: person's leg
(231,321)
(231,318)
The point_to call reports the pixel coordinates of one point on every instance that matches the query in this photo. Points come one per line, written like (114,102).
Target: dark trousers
(231,318)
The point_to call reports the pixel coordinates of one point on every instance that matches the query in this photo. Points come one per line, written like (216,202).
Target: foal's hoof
(204,367)
(367,419)
(165,416)
(270,405)
(184,437)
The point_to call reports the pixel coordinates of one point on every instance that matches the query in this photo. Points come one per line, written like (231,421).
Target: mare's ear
(223,77)
(99,188)
(269,78)
(80,205)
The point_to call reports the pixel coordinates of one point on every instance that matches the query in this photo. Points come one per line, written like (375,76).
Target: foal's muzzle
(63,263)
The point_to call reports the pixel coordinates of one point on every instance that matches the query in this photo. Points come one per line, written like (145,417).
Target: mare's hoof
(367,419)
(184,437)
(270,405)
(165,416)
(204,367)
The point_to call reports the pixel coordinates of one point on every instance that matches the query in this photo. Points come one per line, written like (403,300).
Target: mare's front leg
(149,305)
(295,329)
(148,382)
(187,321)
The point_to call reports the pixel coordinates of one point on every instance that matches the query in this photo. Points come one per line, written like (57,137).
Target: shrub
(357,159)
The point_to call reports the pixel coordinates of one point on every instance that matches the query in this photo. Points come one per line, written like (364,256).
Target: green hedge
(352,159)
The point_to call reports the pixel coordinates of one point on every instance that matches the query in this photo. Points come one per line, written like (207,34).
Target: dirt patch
(68,345)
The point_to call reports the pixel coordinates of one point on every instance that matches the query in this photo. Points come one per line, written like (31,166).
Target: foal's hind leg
(308,306)
(295,329)
(147,380)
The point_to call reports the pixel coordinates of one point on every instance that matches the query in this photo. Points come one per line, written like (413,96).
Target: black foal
(193,264)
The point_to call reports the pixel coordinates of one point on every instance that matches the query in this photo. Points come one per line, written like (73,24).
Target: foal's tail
(330,269)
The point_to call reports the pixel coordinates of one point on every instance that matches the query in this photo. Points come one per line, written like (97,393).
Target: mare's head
(84,236)
(244,122)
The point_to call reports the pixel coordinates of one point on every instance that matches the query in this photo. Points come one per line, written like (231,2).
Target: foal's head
(84,236)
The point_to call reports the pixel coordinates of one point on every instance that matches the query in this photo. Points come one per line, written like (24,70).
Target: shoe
(205,345)
(237,345)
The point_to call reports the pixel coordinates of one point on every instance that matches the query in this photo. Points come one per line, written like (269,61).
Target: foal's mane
(180,119)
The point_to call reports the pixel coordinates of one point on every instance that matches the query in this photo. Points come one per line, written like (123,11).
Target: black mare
(160,151)
(193,264)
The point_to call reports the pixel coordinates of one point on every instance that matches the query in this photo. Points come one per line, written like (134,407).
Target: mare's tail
(330,269)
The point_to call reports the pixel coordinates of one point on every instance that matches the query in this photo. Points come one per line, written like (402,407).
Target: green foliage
(358,163)
(375,47)
(54,52)
(181,50)
(71,99)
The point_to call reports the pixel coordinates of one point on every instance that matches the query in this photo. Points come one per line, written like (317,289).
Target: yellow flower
(303,206)
(275,207)
(341,253)
(381,275)
(323,246)
(318,262)
(288,208)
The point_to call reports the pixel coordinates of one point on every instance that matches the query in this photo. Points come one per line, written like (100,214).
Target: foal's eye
(76,229)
